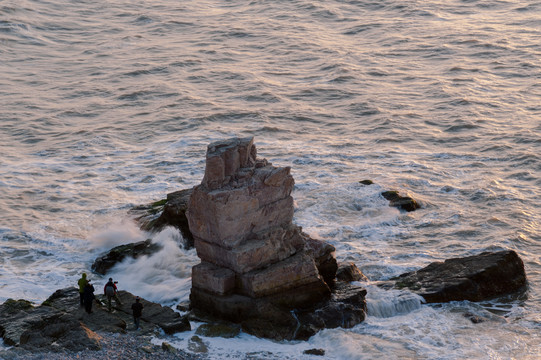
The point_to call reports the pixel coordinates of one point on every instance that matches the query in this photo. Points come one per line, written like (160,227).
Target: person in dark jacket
(110,291)
(82,283)
(88,296)
(137,309)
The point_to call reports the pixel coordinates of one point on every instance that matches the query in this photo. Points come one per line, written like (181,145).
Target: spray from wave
(164,276)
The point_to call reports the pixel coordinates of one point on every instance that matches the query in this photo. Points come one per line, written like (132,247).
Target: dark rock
(105,262)
(472,278)
(348,271)
(318,352)
(61,324)
(197,345)
(324,257)
(184,306)
(34,328)
(168,348)
(366,182)
(346,309)
(474,318)
(60,331)
(67,301)
(16,316)
(166,318)
(167,212)
(218,330)
(402,202)
(268,318)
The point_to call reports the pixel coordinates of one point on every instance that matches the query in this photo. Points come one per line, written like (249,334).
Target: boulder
(473,278)
(166,318)
(402,202)
(348,272)
(167,212)
(105,262)
(316,352)
(366,182)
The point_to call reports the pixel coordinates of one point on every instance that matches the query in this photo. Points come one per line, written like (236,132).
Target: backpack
(110,290)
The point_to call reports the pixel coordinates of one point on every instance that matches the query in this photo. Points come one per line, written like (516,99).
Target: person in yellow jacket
(82,283)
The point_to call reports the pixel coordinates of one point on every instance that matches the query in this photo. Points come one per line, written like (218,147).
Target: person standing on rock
(137,309)
(82,283)
(110,291)
(88,296)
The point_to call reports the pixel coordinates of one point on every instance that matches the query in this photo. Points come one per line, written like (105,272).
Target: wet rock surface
(402,202)
(473,278)
(105,262)
(348,271)
(167,212)
(60,324)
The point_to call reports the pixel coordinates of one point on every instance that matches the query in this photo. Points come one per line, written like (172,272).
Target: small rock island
(257,267)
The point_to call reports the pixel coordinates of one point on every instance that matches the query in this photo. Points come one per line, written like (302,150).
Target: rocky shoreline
(128,346)
(259,273)
(60,325)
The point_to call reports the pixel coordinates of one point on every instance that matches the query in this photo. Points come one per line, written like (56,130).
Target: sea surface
(105,105)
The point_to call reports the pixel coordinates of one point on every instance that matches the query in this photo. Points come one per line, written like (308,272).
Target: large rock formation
(60,324)
(256,265)
(472,278)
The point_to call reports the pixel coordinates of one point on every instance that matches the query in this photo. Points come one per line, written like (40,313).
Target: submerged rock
(317,352)
(402,202)
(472,278)
(366,182)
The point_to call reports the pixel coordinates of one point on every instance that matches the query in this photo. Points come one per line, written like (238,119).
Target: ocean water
(105,105)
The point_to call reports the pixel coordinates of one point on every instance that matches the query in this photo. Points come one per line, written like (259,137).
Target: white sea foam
(164,276)
(387,303)
(122,231)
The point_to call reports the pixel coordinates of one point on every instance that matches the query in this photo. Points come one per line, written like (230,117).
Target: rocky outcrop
(348,271)
(105,262)
(258,268)
(60,324)
(402,202)
(167,212)
(473,278)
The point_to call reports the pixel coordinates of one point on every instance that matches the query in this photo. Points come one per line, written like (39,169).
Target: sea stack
(256,265)
(241,220)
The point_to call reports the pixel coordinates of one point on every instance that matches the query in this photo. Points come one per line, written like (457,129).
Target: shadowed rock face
(473,278)
(257,266)
(61,324)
